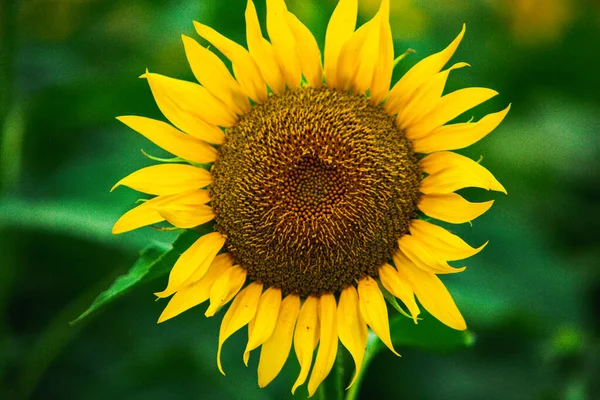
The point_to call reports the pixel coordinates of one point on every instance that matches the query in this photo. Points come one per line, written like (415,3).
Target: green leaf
(429,334)
(155,261)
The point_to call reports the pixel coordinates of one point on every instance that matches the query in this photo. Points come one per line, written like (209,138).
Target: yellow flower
(320,179)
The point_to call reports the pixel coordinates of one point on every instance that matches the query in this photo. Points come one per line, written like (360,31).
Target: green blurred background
(532,297)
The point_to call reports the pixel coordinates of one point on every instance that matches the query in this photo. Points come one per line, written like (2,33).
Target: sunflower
(316,182)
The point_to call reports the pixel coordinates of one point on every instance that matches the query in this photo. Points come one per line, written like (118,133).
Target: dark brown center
(313,188)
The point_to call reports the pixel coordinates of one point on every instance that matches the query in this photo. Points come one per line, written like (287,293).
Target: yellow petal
(197,292)
(184,103)
(225,288)
(432,294)
(142,215)
(392,282)
(245,69)
(306,337)
(458,136)
(340,28)
(447,245)
(328,342)
(449,107)
(147,213)
(187,217)
(188,212)
(352,329)
(425,98)
(284,42)
(356,61)
(423,257)
(276,349)
(449,172)
(241,311)
(452,208)
(262,51)
(382,75)
(212,73)
(374,311)
(307,50)
(261,327)
(197,257)
(422,72)
(171,139)
(166,179)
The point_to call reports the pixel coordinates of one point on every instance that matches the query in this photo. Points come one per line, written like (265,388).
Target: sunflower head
(317,182)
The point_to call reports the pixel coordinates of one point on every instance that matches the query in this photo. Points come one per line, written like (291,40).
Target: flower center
(313,188)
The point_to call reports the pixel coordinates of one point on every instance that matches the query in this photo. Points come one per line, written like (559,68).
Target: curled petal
(449,172)
(198,291)
(328,342)
(147,212)
(166,179)
(187,217)
(306,337)
(458,136)
(422,256)
(445,244)
(173,140)
(374,310)
(194,261)
(241,311)
(425,98)
(261,327)
(399,288)
(225,288)
(452,208)
(449,107)
(422,72)
(352,328)
(432,294)
(188,104)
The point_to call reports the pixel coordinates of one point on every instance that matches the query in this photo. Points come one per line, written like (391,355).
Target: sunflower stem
(372,348)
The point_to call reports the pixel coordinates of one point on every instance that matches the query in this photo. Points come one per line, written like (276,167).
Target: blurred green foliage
(532,297)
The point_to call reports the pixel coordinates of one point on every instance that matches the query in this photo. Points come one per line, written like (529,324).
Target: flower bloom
(314,180)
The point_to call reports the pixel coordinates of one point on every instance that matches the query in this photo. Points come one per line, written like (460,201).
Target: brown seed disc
(313,188)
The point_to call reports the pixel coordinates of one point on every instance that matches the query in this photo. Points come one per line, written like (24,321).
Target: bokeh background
(531,298)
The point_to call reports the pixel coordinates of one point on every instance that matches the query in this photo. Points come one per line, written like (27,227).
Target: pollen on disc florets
(313,188)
